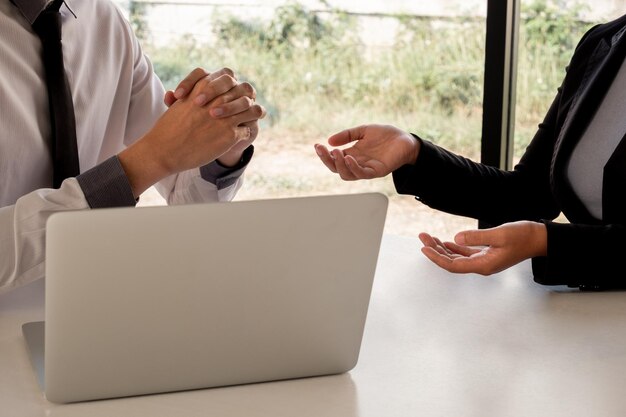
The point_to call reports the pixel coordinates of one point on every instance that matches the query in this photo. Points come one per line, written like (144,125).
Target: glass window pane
(323,66)
(549,32)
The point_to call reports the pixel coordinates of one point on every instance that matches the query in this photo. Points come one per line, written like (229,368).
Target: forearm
(142,168)
(452,183)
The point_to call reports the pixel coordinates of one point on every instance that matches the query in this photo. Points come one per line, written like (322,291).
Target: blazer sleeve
(455,184)
(585,256)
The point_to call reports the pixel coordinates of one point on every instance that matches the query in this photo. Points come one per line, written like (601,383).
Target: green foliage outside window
(315,76)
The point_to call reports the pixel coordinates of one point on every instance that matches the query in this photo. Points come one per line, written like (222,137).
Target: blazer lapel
(592,88)
(599,73)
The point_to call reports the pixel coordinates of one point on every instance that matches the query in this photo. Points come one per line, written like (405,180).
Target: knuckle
(228,78)
(248,90)
(203,83)
(228,72)
(219,86)
(232,81)
(257,111)
(198,71)
(248,102)
(218,101)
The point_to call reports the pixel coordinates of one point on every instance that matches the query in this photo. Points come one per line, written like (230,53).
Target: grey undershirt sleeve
(222,176)
(106,185)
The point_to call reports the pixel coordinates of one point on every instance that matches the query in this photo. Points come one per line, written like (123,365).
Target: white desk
(435,345)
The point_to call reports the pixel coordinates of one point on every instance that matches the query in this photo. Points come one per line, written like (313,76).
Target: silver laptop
(161,299)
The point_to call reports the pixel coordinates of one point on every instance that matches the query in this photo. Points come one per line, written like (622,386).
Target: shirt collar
(31,8)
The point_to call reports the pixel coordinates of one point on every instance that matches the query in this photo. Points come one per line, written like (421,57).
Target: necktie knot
(48,25)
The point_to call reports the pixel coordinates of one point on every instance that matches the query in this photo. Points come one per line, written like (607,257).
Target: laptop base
(34,334)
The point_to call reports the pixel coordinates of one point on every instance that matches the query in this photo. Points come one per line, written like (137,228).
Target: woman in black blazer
(523,202)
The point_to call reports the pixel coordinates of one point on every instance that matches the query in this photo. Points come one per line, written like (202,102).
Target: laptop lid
(160,299)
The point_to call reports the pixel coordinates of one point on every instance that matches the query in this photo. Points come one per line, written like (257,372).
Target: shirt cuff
(106,185)
(222,176)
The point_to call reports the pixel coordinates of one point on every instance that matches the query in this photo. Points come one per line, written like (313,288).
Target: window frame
(500,79)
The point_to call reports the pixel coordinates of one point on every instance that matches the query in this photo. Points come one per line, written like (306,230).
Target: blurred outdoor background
(323,66)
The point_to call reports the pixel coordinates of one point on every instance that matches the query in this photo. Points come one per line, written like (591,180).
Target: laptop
(161,299)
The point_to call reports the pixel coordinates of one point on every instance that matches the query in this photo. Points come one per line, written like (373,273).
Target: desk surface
(435,344)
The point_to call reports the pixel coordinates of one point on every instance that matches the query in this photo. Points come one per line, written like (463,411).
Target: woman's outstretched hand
(487,251)
(377,151)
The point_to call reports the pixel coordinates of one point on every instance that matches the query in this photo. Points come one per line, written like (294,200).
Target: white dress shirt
(117,98)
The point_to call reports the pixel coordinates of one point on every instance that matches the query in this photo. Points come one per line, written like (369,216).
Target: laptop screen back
(159,299)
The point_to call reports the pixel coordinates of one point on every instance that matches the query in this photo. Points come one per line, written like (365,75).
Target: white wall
(599,9)
(170,19)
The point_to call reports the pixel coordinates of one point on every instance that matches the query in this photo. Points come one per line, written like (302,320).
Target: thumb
(169,98)
(474,238)
(346,136)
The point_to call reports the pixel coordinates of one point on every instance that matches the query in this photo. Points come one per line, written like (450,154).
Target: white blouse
(603,135)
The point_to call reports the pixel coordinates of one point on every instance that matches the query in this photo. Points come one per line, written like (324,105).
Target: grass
(315,77)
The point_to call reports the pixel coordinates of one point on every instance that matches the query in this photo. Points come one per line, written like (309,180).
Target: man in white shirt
(128,139)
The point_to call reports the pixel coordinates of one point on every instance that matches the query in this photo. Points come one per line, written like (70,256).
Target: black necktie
(63,143)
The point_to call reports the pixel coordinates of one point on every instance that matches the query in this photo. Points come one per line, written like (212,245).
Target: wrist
(414,150)
(143,166)
(230,159)
(540,239)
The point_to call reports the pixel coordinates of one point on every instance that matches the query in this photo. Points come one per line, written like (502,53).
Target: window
(549,32)
(323,66)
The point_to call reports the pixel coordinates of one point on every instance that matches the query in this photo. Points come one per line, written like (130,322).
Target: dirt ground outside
(280,170)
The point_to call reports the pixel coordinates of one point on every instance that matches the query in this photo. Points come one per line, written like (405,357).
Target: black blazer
(584,252)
